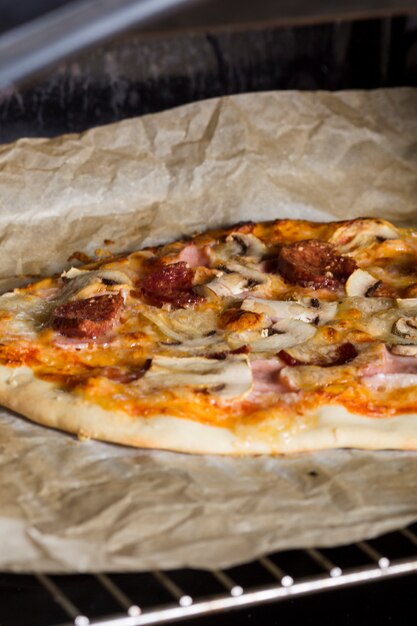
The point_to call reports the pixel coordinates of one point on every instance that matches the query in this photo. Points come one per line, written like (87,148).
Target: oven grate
(161,597)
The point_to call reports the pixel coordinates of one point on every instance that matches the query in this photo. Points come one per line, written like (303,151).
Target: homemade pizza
(262,338)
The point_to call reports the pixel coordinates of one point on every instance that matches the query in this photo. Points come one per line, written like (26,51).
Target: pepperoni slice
(171,283)
(314,263)
(89,318)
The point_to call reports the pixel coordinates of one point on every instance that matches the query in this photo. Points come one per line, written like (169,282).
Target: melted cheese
(194,371)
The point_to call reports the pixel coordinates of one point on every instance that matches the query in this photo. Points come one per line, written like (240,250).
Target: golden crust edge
(45,404)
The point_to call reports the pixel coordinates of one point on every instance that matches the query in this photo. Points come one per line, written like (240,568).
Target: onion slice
(309,310)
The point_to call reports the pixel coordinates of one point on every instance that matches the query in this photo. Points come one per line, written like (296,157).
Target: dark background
(152,70)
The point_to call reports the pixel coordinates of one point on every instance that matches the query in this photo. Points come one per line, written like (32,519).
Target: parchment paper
(67,505)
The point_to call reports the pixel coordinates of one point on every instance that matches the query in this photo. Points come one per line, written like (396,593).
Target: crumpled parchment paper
(67,505)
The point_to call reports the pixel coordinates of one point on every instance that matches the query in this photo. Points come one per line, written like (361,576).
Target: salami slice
(314,263)
(89,318)
(171,283)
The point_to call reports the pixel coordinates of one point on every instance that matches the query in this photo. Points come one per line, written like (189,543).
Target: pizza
(262,338)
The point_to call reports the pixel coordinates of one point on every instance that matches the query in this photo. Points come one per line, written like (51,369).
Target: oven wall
(142,73)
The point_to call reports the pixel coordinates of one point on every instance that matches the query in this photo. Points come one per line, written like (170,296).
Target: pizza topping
(362,232)
(344,353)
(371,364)
(237,244)
(266,376)
(371,360)
(237,320)
(172,284)
(361,283)
(194,256)
(88,318)
(404,349)
(314,263)
(387,323)
(248,270)
(225,285)
(406,327)
(397,363)
(107,276)
(209,347)
(382,382)
(382,290)
(181,324)
(407,303)
(227,378)
(307,309)
(283,334)
(250,245)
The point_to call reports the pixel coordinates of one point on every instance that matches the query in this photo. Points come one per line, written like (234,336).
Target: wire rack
(160,597)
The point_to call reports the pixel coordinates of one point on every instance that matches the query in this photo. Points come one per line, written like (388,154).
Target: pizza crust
(335,427)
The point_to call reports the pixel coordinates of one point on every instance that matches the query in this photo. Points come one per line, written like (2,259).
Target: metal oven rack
(159,597)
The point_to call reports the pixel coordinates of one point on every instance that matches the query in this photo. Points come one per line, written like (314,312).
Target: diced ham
(265,374)
(388,363)
(401,364)
(194,256)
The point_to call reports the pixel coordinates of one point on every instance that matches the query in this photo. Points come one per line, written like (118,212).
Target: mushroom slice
(284,334)
(404,349)
(315,376)
(359,283)
(309,310)
(360,233)
(116,277)
(223,285)
(86,284)
(254,276)
(227,378)
(406,327)
(238,244)
(224,251)
(250,245)
(325,311)
(407,303)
